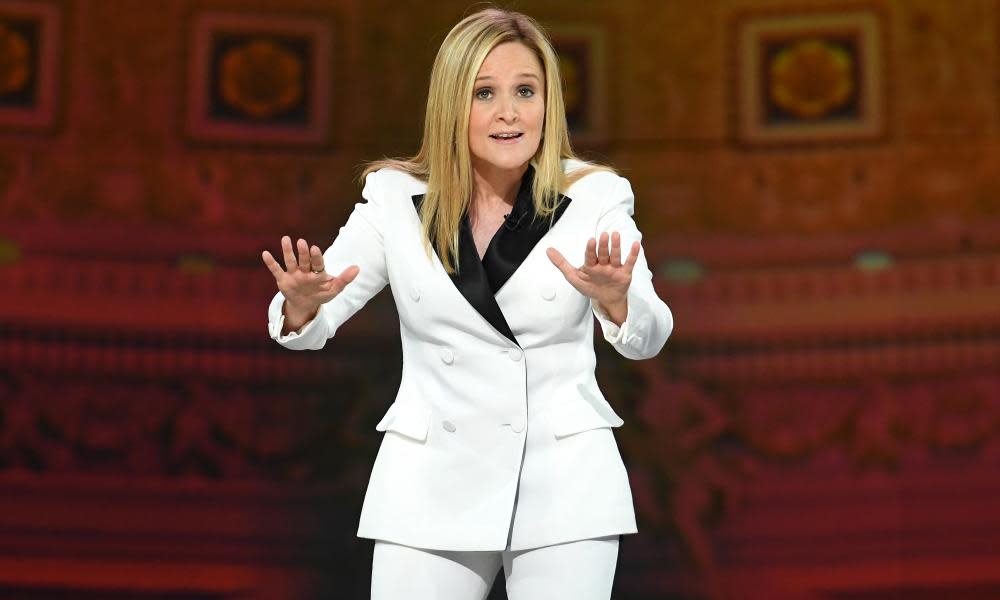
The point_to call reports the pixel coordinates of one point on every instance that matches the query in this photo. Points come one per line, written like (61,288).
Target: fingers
(303,249)
(590,255)
(616,250)
(286,250)
(309,259)
(632,257)
(603,257)
(316,260)
(598,252)
(272,265)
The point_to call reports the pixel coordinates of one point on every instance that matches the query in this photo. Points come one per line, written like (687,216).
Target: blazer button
(514,354)
(548,293)
(517,424)
(415,294)
(447,356)
(448,426)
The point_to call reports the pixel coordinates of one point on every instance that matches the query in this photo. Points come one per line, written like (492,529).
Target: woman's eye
(526,92)
(484,94)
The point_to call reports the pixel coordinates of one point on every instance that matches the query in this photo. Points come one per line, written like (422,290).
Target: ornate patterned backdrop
(823,423)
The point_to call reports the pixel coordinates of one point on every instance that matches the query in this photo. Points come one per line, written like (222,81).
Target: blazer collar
(479,281)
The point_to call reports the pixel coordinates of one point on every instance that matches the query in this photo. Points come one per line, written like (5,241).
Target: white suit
(498,395)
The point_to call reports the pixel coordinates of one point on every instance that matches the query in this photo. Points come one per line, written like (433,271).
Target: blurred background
(817,184)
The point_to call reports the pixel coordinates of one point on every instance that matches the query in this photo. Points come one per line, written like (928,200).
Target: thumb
(348,274)
(338,283)
(561,263)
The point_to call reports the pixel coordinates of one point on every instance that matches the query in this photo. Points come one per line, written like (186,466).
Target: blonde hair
(443,160)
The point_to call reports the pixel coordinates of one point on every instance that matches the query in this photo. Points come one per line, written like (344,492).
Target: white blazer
(498,401)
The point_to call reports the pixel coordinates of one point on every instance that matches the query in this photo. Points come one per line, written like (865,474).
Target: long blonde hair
(443,160)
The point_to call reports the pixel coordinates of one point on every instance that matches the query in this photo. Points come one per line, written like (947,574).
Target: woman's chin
(506,162)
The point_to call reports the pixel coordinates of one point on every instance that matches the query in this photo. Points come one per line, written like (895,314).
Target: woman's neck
(491,186)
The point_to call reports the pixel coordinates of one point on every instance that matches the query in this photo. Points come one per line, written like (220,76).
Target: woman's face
(508,108)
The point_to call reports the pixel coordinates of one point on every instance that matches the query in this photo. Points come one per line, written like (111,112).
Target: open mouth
(506,136)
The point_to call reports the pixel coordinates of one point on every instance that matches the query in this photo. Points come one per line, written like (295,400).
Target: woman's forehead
(510,57)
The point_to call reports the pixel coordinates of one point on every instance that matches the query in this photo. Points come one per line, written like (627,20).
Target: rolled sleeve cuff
(276,322)
(612,333)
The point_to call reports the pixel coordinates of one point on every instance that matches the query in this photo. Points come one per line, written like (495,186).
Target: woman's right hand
(304,281)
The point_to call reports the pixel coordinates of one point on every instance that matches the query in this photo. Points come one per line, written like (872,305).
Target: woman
(498,447)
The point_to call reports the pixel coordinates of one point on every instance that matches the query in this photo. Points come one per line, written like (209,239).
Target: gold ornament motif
(261,79)
(15,53)
(811,78)
(571,84)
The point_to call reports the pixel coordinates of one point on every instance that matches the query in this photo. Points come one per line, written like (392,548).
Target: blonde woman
(499,246)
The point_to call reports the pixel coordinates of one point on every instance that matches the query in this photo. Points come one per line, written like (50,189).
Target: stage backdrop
(816,181)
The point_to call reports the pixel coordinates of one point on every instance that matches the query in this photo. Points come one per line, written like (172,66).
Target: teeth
(506,135)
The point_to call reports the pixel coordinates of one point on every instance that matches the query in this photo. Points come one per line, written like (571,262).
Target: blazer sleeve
(649,321)
(360,243)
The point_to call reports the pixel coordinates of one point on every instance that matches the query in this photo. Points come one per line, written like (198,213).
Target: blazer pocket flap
(567,416)
(408,418)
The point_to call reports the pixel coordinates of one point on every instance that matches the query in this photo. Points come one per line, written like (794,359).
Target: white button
(548,293)
(517,424)
(448,426)
(415,294)
(447,356)
(514,354)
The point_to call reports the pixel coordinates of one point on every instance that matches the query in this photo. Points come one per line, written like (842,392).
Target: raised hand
(304,281)
(603,277)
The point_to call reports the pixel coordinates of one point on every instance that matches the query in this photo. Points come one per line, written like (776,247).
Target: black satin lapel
(471,280)
(519,234)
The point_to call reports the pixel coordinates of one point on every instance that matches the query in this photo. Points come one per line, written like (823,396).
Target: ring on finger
(318,271)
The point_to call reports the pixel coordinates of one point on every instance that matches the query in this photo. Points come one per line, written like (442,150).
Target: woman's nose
(507,110)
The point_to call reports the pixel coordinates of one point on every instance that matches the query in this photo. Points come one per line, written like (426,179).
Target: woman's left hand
(602,277)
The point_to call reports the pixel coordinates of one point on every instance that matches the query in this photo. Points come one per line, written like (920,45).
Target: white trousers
(581,570)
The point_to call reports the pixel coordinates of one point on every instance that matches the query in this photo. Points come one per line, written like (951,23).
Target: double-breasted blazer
(498,398)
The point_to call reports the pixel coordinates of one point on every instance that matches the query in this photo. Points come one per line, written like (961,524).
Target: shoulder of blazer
(393,182)
(597,189)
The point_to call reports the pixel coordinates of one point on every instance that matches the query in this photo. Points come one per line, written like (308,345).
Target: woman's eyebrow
(518,75)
